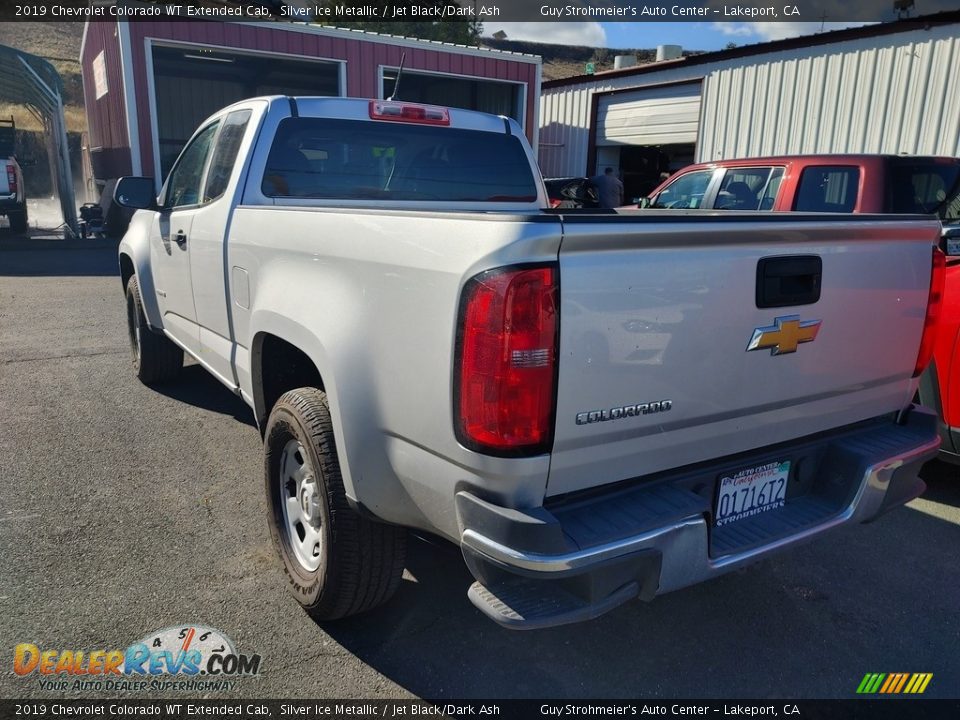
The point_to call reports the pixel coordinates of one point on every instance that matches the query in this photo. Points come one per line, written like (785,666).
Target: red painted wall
(363,57)
(106,119)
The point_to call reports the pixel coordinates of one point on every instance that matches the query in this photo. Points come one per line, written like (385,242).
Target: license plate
(752,491)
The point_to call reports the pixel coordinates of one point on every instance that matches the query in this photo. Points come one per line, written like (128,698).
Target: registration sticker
(752,491)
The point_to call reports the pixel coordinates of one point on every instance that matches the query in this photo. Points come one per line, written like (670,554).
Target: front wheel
(337,563)
(155,357)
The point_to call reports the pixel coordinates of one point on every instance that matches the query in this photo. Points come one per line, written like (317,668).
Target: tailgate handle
(788,280)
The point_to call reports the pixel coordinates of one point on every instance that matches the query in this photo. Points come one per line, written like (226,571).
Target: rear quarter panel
(372,297)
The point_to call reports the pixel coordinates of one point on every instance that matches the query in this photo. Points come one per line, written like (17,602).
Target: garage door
(655,116)
(190,84)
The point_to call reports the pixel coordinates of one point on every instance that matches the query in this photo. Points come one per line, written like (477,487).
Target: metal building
(148,85)
(890,88)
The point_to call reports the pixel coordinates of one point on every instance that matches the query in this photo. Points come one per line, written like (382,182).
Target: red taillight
(506,361)
(406,112)
(12,178)
(938,275)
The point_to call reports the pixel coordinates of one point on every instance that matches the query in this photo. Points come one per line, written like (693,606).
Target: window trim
(216,141)
(162,200)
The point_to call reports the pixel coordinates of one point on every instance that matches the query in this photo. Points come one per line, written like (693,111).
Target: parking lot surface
(124,510)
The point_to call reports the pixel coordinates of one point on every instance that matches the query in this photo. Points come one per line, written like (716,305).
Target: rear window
(370,160)
(924,186)
(828,189)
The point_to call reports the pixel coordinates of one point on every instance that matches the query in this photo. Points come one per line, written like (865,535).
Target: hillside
(561,61)
(58,42)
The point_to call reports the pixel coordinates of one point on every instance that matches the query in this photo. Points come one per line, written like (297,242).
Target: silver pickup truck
(595,406)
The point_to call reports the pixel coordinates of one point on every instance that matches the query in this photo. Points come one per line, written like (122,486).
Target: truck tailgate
(658,311)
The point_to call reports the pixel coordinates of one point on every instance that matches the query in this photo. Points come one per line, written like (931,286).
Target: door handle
(788,280)
(180,238)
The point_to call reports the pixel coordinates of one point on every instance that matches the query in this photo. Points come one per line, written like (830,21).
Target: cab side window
(686,192)
(225,154)
(828,189)
(746,189)
(183,185)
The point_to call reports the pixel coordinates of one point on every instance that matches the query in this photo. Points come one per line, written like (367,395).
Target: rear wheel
(18,220)
(337,563)
(155,357)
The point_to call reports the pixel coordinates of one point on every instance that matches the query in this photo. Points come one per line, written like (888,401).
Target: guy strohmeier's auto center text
(646,12)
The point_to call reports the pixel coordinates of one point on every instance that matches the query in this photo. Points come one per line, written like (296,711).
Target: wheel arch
(133,256)
(277,365)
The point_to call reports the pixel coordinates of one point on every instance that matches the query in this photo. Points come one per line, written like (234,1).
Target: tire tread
(161,360)
(366,557)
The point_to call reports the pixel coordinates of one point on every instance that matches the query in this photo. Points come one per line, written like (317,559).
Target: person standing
(609,189)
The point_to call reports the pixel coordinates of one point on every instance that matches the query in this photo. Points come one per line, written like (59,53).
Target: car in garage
(571,193)
(13,199)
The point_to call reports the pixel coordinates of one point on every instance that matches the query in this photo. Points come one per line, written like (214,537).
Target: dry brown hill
(58,42)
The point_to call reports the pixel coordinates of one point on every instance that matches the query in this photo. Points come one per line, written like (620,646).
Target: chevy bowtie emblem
(784,335)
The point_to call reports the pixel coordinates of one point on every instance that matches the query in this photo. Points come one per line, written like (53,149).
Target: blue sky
(690,35)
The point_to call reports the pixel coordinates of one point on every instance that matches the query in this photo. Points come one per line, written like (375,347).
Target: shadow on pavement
(195,386)
(943,483)
(44,257)
(751,633)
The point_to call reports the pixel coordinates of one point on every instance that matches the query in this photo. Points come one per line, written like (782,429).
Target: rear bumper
(577,560)
(10,202)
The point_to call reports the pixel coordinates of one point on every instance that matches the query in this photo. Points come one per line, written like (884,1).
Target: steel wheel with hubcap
(337,563)
(301,505)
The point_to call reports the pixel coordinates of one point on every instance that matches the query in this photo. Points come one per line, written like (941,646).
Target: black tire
(18,220)
(156,359)
(359,561)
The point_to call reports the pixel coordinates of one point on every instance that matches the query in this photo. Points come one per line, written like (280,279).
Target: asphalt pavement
(124,510)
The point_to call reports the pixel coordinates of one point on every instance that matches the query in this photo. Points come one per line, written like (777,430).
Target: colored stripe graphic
(894,683)
(903,680)
(892,679)
(862,687)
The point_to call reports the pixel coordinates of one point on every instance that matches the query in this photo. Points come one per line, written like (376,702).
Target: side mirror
(950,241)
(135,192)
(644,202)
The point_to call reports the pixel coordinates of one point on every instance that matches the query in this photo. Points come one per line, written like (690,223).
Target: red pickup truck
(850,184)
(817,183)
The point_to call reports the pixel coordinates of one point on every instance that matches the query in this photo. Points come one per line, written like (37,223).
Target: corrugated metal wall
(894,94)
(565,117)
(890,93)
